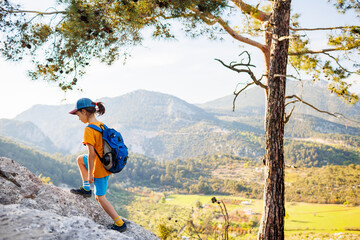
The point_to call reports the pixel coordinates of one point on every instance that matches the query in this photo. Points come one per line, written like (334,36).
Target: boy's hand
(91,178)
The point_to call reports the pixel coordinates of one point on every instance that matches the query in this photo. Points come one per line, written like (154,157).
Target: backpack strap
(101,160)
(95,127)
(99,130)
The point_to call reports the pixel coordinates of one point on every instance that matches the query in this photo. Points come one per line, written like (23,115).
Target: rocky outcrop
(32,210)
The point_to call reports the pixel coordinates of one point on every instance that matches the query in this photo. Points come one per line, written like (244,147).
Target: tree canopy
(63,40)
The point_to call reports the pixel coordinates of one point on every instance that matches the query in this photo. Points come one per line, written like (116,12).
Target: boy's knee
(80,160)
(99,198)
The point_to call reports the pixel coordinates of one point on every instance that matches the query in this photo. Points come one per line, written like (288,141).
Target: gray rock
(33,210)
(19,222)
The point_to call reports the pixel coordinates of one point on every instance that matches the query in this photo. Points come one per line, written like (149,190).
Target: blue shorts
(99,183)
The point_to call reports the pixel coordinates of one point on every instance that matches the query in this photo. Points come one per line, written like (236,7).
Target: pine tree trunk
(272,223)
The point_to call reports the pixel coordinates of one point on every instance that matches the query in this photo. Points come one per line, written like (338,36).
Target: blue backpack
(115,153)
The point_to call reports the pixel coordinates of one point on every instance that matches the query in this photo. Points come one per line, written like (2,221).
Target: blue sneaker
(81,191)
(121,228)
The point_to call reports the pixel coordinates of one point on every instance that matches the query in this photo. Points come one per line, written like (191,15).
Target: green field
(300,217)
(322,218)
(302,220)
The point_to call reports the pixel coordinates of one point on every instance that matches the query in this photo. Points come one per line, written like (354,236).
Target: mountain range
(166,127)
(26,133)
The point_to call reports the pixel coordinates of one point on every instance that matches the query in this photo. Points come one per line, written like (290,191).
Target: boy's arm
(91,160)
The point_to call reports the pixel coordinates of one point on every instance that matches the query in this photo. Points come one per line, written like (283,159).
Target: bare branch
(322,29)
(238,93)
(247,64)
(244,67)
(227,225)
(194,227)
(337,115)
(287,117)
(242,64)
(294,101)
(312,106)
(290,166)
(248,71)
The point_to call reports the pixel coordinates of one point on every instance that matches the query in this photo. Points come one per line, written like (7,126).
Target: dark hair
(100,108)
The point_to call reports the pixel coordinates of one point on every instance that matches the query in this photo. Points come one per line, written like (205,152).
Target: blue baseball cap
(82,103)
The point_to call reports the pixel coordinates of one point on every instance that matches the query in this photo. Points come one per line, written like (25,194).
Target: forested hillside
(317,154)
(60,171)
(212,174)
(304,126)
(228,174)
(330,184)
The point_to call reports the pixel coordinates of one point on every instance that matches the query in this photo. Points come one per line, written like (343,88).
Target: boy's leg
(82,164)
(101,185)
(106,205)
(100,191)
(85,190)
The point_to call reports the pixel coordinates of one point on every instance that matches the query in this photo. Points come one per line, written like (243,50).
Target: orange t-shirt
(94,138)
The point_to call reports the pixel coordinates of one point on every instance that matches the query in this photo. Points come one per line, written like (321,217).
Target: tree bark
(272,223)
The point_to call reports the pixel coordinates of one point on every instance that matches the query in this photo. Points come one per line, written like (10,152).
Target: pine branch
(240,38)
(253,11)
(337,62)
(206,20)
(322,29)
(321,51)
(162,15)
(35,12)
(211,19)
(286,38)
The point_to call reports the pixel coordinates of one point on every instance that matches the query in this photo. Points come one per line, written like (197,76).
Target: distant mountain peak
(26,132)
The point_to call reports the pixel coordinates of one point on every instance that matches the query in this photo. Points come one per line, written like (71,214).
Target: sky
(184,67)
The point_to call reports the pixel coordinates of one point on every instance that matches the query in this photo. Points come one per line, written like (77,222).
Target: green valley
(174,216)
